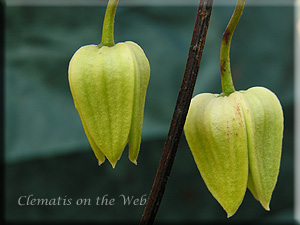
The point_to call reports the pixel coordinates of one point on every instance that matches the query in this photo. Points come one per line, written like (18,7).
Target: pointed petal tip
(101,161)
(230,214)
(231,211)
(113,164)
(114,161)
(134,161)
(266,206)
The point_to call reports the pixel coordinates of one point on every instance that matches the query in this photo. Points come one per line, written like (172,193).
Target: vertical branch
(180,112)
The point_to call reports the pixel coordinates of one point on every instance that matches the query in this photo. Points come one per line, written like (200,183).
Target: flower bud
(108,85)
(236,142)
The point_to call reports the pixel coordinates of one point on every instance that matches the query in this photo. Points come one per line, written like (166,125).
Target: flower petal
(216,133)
(264,119)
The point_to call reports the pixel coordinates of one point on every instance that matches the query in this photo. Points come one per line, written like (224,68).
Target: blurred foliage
(46,151)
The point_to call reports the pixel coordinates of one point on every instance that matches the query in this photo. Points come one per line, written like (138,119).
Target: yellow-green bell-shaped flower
(108,83)
(236,141)
(236,137)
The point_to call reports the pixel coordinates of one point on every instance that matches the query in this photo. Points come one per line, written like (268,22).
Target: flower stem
(180,112)
(226,78)
(108,24)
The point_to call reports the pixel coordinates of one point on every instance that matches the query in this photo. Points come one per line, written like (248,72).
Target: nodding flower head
(236,143)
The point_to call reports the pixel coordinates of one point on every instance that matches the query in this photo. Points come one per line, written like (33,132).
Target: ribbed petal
(216,133)
(141,75)
(264,120)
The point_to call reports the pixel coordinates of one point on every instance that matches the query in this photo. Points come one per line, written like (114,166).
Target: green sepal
(264,122)
(216,133)
(142,76)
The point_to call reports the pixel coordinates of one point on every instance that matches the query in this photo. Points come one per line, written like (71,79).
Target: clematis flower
(236,142)
(108,83)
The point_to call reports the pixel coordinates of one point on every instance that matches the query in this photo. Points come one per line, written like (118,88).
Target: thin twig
(180,112)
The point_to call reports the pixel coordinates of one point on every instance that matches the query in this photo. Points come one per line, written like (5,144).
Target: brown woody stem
(180,112)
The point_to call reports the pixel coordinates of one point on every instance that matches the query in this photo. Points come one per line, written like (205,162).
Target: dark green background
(46,152)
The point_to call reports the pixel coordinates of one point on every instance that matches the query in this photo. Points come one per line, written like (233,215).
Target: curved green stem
(227,84)
(108,24)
